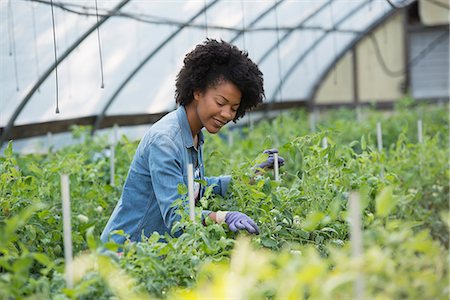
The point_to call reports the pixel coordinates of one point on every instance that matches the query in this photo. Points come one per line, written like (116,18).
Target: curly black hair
(214,61)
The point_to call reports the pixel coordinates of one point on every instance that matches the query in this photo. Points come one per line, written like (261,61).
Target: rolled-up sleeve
(165,164)
(221,184)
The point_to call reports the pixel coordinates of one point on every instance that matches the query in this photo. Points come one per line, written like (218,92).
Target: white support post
(313,120)
(324,142)
(230,139)
(275,167)
(67,229)
(49,142)
(191,192)
(379,137)
(356,241)
(380,143)
(358,113)
(116,133)
(112,161)
(419,131)
(112,158)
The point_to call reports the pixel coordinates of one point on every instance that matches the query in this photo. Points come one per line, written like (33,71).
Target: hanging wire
(206,19)
(414,61)
(243,24)
(99,45)
(56,58)
(36,56)
(10,39)
(12,42)
(334,42)
(280,77)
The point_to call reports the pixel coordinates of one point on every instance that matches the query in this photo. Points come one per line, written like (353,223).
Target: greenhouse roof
(134,49)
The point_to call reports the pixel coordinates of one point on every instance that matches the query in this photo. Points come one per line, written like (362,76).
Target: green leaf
(313,220)
(384,202)
(8,151)
(182,189)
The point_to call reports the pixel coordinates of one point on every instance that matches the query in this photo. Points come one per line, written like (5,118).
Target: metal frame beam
(101,116)
(18,110)
(42,128)
(311,48)
(289,32)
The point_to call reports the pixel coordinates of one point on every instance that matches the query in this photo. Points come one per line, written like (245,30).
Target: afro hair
(213,62)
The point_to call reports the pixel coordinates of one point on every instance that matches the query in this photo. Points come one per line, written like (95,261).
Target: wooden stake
(67,229)
(191,192)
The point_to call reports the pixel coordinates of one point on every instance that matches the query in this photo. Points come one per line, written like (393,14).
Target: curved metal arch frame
(350,46)
(257,19)
(311,48)
(101,116)
(288,33)
(23,103)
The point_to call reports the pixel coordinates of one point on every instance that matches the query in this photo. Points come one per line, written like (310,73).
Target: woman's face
(217,105)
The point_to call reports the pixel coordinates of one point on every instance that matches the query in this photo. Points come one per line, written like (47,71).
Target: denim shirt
(151,187)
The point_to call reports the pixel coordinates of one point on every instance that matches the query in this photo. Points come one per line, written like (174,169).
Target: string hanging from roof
(12,42)
(99,45)
(56,57)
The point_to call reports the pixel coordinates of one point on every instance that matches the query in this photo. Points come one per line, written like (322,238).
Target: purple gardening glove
(237,220)
(268,164)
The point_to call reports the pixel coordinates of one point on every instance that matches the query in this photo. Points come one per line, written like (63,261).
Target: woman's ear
(197,95)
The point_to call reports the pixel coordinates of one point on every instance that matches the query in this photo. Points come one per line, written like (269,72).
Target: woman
(217,84)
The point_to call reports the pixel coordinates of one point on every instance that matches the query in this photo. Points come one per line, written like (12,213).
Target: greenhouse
(224,149)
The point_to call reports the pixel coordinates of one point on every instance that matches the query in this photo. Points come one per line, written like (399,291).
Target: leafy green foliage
(303,249)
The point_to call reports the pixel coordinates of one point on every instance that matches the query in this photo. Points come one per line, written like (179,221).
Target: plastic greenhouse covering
(138,48)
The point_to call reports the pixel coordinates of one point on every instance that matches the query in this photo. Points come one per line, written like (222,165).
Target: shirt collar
(186,128)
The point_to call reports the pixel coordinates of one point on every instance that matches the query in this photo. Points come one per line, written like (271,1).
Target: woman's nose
(227,113)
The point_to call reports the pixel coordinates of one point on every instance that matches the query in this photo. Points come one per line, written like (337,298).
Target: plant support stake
(380,144)
(419,131)
(67,230)
(275,167)
(112,164)
(49,142)
(112,159)
(325,142)
(191,192)
(379,137)
(356,241)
